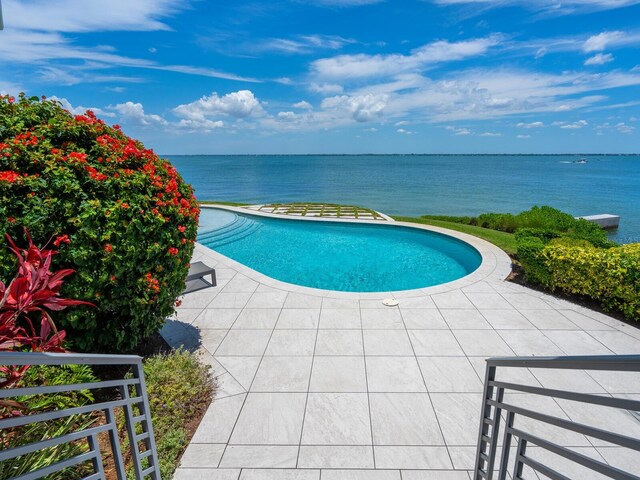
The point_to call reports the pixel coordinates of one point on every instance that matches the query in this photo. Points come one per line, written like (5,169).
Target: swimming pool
(348,257)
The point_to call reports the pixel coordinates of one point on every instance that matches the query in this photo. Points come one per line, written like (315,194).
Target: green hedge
(119,215)
(609,275)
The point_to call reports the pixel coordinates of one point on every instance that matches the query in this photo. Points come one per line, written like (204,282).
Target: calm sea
(428,184)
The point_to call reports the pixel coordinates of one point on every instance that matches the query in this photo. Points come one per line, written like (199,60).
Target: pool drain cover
(390,302)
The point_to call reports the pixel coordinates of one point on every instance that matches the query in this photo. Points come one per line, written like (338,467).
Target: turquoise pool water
(338,256)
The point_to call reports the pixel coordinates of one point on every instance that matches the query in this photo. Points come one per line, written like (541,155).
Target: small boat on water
(582,160)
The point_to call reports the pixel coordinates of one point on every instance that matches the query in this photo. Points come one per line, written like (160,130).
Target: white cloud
(624,128)
(302,44)
(365,66)
(459,131)
(571,126)
(597,43)
(343,3)
(530,125)
(326,88)
(238,104)
(287,116)
(80,110)
(490,134)
(304,105)
(133,113)
(599,59)
(362,108)
(89,15)
(523,136)
(550,7)
(404,132)
(401,123)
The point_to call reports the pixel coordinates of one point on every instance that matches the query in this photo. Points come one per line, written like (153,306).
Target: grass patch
(506,241)
(231,204)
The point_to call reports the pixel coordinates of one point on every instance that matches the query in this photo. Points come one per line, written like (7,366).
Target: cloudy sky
(338,76)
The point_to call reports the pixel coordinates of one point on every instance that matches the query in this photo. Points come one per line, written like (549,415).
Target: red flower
(182,228)
(173,251)
(108,248)
(125,205)
(61,239)
(9,176)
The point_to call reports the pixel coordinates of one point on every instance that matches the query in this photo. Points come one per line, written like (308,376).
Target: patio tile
(329,456)
(243,369)
(549,320)
(360,475)
(551,407)
(387,319)
(452,299)
(337,419)
(584,322)
(259,456)
(488,301)
(211,339)
(606,418)
(449,374)
(423,318)
(572,380)
(394,374)
(434,342)
(479,287)
(406,457)
(387,342)
(459,416)
(333,318)
(482,343)
(465,319)
(374,303)
(240,284)
(338,374)
(505,374)
(339,342)
(576,343)
(187,315)
(216,318)
(200,299)
(300,300)
(341,303)
(227,386)
(526,301)
(507,320)
(218,421)
(257,318)
(283,374)
(270,418)
(567,467)
(267,299)
(291,342)
(618,342)
(423,301)
(279,474)
(617,382)
(229,300)
(202,455)
(529,342)
(208,473)
(622,458)
(244,342)
(299,318)
(434,475)
(404,419)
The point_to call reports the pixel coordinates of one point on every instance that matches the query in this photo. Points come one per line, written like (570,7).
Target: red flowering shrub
(118,213)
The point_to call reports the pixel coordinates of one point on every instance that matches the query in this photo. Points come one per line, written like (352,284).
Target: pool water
(347,257)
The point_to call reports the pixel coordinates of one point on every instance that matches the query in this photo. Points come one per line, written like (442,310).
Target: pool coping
(495,262)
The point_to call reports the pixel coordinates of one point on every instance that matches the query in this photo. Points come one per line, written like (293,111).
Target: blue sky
(338,76)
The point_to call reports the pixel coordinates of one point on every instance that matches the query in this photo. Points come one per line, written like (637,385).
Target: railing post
(506,446)
(487,442)
(519,465)
(147,425)
(111,419)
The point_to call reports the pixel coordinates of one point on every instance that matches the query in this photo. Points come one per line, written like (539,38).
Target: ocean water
(338,256)
(428,184)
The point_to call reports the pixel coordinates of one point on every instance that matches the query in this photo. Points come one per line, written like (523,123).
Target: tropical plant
(121,217)
(24,303)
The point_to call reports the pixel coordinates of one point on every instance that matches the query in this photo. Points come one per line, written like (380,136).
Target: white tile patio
(324,385)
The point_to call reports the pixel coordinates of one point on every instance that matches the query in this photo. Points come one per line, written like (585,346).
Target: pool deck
(319,384)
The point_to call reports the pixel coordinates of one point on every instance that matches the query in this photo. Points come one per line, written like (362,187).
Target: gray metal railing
(135,411)
(494,405)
